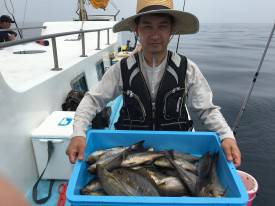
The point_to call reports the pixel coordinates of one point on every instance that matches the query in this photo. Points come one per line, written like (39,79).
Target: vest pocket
(135,108)
(173,103)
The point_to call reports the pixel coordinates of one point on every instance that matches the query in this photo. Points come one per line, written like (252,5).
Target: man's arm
(93,102)
(200,98)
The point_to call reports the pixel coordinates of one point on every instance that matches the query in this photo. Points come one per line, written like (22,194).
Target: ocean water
(228,55)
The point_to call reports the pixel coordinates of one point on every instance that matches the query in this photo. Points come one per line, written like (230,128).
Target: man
(5,23)
(155,83)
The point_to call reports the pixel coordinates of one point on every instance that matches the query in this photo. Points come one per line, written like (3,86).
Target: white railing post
(83,44)
(98,40)
(55,56)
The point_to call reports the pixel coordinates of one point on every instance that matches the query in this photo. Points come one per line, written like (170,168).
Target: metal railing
(114,16)
(24,28)
(54,46)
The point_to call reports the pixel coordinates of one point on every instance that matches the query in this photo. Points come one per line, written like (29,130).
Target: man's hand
(12,37)
(76,148)
(232,151)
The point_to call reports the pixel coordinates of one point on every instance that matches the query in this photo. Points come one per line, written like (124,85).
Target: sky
(208,11)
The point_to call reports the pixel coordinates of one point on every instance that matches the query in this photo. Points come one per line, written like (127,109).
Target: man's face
(5,25)
(154,33)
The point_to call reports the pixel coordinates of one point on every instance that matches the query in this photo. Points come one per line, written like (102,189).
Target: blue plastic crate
(196,143)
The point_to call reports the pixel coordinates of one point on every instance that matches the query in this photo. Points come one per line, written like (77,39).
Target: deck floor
(43,191)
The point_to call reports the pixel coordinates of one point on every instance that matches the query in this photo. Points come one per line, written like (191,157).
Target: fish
(208,184)
(124,182)
(110,153)
(154,174)
(106,159)
(204,168)
(136,182)
(92,186)
(101,155)
(185,156)
(110,183)
(140,158)
(140,171)
(164,162)
(167,185)
(187,178)
(96,193)
(172,186)
(92,169)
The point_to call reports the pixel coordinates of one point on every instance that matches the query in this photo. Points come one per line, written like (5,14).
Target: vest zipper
(154,115)
(154,103)
(149,93)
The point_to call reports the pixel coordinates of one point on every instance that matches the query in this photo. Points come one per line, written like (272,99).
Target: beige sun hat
(185,23)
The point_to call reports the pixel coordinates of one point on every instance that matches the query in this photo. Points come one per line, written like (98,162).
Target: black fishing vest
(169,110)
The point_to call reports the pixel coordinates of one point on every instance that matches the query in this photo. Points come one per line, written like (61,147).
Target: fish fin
(169,154)
(138,146)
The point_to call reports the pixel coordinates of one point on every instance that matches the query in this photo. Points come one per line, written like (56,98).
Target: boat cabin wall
(22,112)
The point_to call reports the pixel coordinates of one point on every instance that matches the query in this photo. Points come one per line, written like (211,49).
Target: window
(100,69)
(79,83)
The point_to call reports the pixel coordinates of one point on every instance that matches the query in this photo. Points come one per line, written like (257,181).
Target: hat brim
(184,22)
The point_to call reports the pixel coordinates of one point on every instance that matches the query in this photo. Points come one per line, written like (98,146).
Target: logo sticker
(65,121)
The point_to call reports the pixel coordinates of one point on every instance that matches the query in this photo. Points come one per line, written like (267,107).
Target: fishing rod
(243,106)
(179,35)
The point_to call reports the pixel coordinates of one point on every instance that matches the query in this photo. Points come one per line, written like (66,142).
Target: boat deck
(36,68)
(43,192)
(44,184)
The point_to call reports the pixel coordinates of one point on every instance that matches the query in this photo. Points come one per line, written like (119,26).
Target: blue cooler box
(196,143)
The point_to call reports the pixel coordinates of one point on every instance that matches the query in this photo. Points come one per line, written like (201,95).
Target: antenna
(179,35)
(116,8)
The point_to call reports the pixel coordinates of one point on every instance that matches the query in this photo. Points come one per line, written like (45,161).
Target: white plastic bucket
(250,184)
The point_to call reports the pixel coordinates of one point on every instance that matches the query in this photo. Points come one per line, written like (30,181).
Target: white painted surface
(57,128)
(59,167)
(23,71)
(59,124)
(29,92)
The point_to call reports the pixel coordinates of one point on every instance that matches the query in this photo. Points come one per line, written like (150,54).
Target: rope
(25,9)
(240,114)
(10,12)
(114,5)
(179,35)
(62,188)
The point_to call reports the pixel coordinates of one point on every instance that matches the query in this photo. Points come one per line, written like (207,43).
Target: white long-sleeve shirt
(198,92)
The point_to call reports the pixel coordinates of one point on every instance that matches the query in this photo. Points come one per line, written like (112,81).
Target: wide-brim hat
(184,22)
